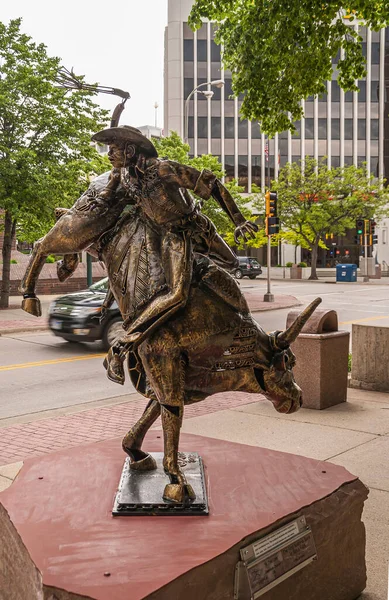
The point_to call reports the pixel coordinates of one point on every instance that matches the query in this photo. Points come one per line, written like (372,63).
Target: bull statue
(188,332)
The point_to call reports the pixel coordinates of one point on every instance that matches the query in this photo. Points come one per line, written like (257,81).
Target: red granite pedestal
(60,505)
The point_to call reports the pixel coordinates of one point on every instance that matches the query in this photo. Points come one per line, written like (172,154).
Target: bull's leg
(164,368)
(132,441)
(57,241)
(67,266)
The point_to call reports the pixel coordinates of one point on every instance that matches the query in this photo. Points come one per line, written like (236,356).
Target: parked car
(76,317)
(247,266)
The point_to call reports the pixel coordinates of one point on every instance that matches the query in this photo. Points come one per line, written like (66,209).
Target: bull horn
(289,335)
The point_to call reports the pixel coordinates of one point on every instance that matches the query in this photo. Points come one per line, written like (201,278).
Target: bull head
(280,385)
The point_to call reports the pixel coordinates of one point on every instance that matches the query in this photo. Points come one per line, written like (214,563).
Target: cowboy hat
(125,134)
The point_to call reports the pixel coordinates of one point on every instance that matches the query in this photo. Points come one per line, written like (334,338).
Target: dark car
(247,266)
(76,316)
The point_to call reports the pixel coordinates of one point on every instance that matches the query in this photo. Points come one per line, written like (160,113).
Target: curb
(270,307)
(24,330)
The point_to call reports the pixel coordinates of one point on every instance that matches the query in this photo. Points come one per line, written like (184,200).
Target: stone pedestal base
(60,507)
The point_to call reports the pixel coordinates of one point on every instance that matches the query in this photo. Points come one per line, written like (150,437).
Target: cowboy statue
(159,188)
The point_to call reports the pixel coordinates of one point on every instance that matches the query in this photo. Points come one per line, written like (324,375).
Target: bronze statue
(188,330)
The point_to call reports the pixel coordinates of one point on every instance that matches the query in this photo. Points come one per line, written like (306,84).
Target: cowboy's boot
(113,362)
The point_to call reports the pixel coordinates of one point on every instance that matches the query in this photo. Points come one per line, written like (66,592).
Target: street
(40,373)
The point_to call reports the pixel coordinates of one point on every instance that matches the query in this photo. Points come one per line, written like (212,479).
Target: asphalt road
(41,375)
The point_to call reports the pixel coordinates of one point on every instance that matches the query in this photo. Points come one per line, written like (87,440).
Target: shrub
(289,264)
(349,362)
(302,264)
(50,259)
(14,261)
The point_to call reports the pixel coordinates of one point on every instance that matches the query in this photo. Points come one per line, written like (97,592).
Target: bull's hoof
(114,366)
(179,494)
(32,306)
(145,464)
(63,273)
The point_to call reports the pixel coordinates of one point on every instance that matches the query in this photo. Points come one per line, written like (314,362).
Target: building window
(309,129)
(229,127)
(362,91)
(228,89)
(335,161)
(348,129)
(200,81)
(190,128)
(229,167)
(188,50)
(243,171)
(242,129)
(348,161)
(255,130)
(215,52)
(361,129)
(374,165)
(375,53)
(335,91)
(201,50)
(374,129)
(188,86)
(375,91)
(216,127)
(349,96)
(322,126)
(256,170)
(297,133)
(296,159)
(217,93)
(202,127)
(335,129)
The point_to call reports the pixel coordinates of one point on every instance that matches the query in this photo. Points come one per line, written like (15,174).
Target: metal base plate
(140,493)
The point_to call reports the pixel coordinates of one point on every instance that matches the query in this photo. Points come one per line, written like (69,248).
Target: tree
(281,52)
(45,151)
(314,201)
(174,148)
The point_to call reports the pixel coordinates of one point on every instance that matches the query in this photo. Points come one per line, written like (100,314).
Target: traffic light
(271,204)
(360,226)
(272,225)
(358,240)
(374,236)
(367,226)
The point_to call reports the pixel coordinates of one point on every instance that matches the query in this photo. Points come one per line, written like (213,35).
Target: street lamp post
(207,93)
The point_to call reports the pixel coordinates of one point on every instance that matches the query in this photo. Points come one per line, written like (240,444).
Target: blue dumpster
(346,272)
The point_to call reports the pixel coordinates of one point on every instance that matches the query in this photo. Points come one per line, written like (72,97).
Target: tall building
(345,127)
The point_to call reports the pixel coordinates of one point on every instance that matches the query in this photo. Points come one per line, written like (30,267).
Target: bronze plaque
(276,556)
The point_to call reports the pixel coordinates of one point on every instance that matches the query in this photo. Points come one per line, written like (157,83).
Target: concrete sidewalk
(15,320)
(354,434)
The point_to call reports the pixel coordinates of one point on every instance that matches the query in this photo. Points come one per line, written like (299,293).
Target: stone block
(61,505)
(322,368)
(370,355)
(19,577)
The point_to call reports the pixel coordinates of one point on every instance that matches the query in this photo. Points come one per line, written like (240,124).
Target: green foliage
(302,264)
(14,261)
(50,259)
(174,148)
(314,201)
(46,157)
(281,52)
(350,359)
(289,264)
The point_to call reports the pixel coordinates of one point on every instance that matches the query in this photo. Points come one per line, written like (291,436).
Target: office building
(345,127)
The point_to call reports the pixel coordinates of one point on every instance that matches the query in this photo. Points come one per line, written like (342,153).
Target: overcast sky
(117,43)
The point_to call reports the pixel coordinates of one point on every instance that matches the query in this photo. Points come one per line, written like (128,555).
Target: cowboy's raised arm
(205,184)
